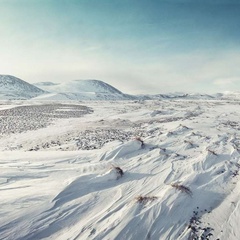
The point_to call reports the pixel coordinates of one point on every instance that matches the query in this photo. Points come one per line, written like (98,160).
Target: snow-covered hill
(82,90)
(84,96)
(12,88)
(78,86)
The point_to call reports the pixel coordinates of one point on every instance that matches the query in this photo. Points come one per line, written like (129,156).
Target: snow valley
(164,168)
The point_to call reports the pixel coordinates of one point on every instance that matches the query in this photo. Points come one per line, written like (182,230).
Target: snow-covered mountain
(99,90)
(13,88)
(82,90)
(96,86)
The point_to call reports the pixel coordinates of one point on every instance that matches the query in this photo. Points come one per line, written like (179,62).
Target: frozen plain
(58,180)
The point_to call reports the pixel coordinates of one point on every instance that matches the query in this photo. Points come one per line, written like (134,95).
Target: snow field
(79,194)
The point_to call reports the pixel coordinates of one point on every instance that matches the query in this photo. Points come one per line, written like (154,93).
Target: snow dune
(181,182)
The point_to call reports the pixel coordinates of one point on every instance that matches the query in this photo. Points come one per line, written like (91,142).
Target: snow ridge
(154,170)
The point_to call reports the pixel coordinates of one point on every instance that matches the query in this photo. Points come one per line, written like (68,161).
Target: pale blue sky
(138,46)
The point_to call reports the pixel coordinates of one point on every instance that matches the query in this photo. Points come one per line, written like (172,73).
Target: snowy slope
(60,180)
(15,88)
(78,86)
(82,90)
(84,96)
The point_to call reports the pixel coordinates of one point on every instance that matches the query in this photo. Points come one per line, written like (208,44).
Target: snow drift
(180,182)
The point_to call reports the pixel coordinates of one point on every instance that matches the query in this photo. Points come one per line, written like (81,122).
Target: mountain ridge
(13,88)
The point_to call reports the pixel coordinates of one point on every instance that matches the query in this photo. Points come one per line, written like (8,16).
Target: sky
(138,46)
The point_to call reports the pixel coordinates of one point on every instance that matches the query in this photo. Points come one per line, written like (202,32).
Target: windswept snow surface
(60,180)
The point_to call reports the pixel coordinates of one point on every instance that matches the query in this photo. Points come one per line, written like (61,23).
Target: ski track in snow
(58,180)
